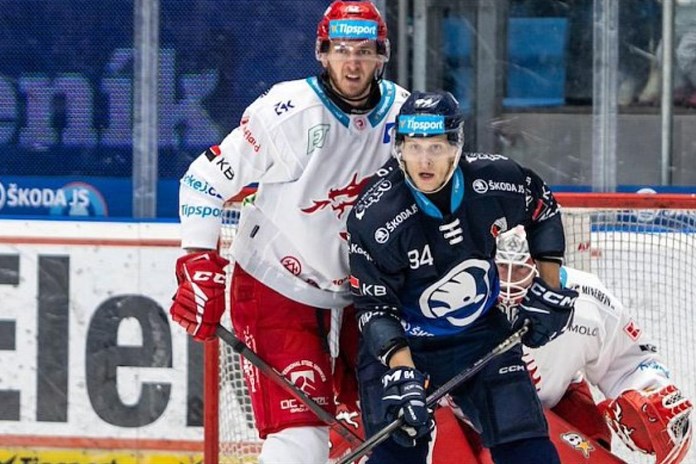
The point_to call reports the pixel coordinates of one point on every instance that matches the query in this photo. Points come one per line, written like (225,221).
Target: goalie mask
(429,139)
(346,26)
(516,267)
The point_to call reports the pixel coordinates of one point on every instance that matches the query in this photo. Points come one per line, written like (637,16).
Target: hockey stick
(434,397)
(272,373)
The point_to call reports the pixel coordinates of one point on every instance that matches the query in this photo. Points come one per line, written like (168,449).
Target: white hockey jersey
(310,160)
(604,343)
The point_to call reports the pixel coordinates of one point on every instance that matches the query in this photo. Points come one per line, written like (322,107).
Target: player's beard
(356,96)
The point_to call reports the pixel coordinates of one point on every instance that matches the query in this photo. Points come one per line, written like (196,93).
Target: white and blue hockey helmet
(516,267)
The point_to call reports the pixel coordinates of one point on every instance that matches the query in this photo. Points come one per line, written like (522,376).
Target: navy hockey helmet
(425,114)
(429,114)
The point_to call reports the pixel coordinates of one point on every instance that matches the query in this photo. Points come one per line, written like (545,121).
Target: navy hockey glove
(549,312)
(404,395)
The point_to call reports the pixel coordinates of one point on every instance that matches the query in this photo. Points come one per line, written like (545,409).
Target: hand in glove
(200,299)
(404,395)
(549,312)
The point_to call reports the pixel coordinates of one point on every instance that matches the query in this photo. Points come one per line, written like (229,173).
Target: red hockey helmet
(351,20)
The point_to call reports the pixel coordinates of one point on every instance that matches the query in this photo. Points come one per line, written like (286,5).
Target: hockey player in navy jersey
(422,245)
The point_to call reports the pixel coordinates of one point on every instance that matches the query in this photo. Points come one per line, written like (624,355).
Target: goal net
(643,247)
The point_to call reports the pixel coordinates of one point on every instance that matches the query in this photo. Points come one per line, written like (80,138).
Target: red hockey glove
(654,422)
(200,299)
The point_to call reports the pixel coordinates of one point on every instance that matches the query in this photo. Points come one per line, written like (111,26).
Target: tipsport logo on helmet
(350,29)
(425,124)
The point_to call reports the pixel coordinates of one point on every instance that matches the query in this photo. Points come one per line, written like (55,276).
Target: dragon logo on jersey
(339,199)
(462,295)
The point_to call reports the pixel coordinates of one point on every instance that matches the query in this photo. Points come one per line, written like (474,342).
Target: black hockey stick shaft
(435,396)
(272,373)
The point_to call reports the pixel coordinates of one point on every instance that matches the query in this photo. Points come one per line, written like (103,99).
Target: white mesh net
(648,259)
(239,441)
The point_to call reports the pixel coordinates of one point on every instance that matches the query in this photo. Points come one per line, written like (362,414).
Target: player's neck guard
(428,207)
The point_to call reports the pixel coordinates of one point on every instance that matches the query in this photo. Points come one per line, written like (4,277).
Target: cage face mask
(515,267)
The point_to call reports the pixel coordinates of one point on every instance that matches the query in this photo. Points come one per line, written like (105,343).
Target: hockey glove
(653,422)
(200,299)
(549,311)
(404,395)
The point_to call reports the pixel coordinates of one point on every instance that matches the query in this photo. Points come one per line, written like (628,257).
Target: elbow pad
(383,333)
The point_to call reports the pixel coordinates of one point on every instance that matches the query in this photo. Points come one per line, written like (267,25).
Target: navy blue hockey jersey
(435,274)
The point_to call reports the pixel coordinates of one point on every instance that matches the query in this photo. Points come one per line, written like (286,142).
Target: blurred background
(103,105)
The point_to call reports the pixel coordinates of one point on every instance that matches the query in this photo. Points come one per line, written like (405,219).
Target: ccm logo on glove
(552,297)
(206,276)
(200,299)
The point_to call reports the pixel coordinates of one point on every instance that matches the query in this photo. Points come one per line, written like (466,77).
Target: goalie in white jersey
(311,145)
(605,346)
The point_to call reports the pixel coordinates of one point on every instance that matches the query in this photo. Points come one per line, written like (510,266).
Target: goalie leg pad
(296,445)
(577,407)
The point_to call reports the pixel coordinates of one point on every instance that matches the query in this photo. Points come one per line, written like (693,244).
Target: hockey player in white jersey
(311,145)
(607,347)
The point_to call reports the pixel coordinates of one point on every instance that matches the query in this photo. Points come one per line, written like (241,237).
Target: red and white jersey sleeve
(310,160)
(604,343)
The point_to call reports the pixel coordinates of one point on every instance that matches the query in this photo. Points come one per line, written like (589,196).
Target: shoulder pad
(380,183)
(282,100)
(493,173)
(397,206)
(474,157)
(588,285)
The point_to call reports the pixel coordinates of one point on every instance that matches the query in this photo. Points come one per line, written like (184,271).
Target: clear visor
(414,149)
(434,151)
(345,50)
